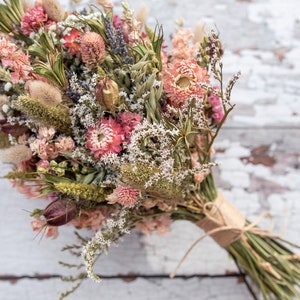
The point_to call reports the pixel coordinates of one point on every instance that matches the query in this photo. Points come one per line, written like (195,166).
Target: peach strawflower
(41,225)
(92,48)
(72,41)
(181,45)
(123,195)
(181,81)
(34,19)
(105,137)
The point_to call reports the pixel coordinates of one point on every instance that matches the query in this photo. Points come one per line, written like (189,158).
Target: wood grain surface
(259,156)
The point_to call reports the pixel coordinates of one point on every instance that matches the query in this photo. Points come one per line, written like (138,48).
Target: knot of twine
(226,224)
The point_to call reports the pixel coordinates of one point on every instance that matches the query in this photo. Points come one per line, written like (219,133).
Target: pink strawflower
(34,19)
(181,81)
(65,144)
(105,137)
(15,60)
(160,224)
(217,107)
(181,45)
(41,225)
(129,121)
(124,195)
(72,41)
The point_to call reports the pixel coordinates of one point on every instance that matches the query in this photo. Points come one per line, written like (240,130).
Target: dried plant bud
(53,9)
(199,32)
(44,92)
(60,212)
(3,101)
(107,93)
(15,154)
(142,13)
(26,5)
(92,49)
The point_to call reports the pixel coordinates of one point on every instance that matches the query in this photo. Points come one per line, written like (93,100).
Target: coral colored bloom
(124,195)
(72,41)
(217,107)
(129,121)
(34,19)
(106,137)
(181,81)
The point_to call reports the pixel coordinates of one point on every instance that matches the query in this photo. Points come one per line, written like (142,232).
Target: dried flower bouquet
(116,132)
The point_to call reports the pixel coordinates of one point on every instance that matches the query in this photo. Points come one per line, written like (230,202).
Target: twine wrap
(220,215)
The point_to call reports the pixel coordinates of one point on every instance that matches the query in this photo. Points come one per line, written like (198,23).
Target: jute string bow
(225,224)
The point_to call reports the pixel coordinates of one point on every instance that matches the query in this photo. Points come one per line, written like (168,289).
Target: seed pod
(107,93)
(60,212)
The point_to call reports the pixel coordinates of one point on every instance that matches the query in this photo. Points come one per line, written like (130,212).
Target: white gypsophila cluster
(111,160)
(12,140)
(148,138)
(78,23)
(85,112)
(134,104)
(18,121)
(114,229)
(82,155)
(232,82)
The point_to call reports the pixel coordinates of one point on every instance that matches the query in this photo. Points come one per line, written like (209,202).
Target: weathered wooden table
(259,152)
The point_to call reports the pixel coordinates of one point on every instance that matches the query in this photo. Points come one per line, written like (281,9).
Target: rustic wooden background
(259,152)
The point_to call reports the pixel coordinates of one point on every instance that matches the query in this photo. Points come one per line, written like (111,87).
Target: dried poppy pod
(107,93)
(60,212)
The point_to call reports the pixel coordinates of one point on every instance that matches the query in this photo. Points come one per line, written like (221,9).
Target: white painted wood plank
(159,289)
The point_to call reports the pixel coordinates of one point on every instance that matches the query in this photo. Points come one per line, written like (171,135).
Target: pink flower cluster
(34,19)
(15,60)
(124,195)
(45,148)
(108,134)
(93,218)
(160,224)
(217,107)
